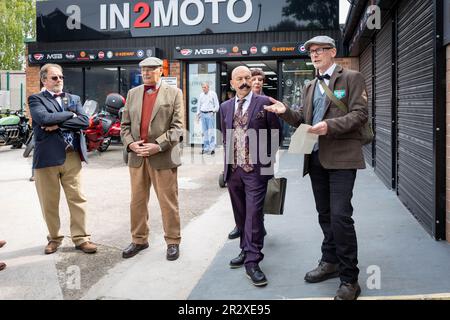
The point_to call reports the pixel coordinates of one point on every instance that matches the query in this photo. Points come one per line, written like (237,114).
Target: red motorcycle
(104,126)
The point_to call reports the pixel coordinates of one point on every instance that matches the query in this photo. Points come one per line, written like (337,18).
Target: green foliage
(17,23)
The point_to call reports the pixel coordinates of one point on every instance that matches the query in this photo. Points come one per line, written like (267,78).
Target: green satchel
(275,195)
(366,130)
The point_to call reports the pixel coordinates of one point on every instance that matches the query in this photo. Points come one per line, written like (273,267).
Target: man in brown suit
(333,163)
(152,129)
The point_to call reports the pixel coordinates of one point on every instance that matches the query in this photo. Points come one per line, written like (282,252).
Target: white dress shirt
(247,98)
(208,102)
(330,73)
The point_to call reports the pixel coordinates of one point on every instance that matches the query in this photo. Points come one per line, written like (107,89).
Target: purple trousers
(247,193)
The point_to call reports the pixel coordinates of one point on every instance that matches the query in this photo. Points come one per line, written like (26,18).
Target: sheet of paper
(302,141)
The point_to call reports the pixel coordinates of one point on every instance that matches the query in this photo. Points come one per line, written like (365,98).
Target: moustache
(244,85)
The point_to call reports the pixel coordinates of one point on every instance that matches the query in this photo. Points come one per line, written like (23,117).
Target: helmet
(114,100)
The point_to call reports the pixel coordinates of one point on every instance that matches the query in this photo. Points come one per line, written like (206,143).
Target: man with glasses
(58,119)
(335,158)
(152,128)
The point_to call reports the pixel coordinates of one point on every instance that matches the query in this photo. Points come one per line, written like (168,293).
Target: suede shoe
(87,247)
(133,249)
(255,274)
(238,261)
(234,234)
(2,243)
(2,266)
(324,271)
(348,291)
(51,247)
(173,252)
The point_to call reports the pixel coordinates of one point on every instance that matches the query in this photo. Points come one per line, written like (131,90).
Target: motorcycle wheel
(17,145)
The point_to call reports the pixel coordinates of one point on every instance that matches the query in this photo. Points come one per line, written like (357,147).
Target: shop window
(101,81)
(73,81)
(130,77)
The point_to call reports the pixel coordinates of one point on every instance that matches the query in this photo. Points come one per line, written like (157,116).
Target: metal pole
(7,81)
(21,97)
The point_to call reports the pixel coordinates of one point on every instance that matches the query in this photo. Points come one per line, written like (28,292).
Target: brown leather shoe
(2,266)
(348,291)
(51,247)
(87,247)
(2,243)
(133,249)
(323,272)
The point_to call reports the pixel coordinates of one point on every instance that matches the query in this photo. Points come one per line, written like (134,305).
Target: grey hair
(44,70)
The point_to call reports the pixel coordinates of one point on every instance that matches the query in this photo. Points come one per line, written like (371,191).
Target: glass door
(296,74)
(198,73)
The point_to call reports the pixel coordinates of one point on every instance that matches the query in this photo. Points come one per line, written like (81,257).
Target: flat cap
(320,40)
(151,62)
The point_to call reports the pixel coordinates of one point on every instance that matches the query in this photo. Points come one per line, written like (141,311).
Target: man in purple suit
(251,137)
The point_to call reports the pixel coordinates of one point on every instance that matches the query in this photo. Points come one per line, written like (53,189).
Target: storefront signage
(92,55)
(62,20)
(234,51)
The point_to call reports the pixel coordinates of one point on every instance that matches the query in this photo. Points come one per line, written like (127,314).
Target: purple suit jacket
(264,142)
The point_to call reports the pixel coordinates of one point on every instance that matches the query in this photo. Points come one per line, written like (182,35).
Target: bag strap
(332,97)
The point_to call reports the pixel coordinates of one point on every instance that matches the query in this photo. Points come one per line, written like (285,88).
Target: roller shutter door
(383,105)
(415,186)
(365,67)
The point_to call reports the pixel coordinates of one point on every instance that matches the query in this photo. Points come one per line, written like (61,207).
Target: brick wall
(33,82)
(448,146)
(349,63)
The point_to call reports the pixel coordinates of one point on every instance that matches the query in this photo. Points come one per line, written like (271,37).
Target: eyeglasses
(55,78)
(149,70)
(318,51)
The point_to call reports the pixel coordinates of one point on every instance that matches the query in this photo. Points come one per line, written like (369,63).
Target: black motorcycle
(14,130)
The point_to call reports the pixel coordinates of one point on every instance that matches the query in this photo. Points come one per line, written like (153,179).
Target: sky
(344,5)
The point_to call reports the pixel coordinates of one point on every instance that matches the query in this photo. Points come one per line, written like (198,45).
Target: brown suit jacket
(341,147)
(165,129)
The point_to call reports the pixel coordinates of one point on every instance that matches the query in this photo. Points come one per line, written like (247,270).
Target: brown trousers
(165,184)
(48,181)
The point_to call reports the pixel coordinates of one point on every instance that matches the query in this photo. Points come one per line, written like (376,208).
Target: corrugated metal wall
(365,67)
(415,109)
(383,104)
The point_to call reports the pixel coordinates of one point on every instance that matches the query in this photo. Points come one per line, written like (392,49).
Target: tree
(321,14)
(17,23)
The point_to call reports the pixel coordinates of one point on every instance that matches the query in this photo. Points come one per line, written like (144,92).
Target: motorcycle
(104,126)
(14,130)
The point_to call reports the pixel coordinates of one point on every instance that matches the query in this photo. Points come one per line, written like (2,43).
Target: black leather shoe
(133,249)
(257,276)
(324,271)
(234,234)
(348,291)
(173,252)
(212,152)
(238,261)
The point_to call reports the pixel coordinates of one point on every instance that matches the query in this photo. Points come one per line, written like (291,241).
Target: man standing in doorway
(58,119)
(251,139)
(335,158)
(152,129)
(208,106)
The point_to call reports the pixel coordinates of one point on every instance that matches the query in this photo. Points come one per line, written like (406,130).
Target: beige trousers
(48,181)
(165,184)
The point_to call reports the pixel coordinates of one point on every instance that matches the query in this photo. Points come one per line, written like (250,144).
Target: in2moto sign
(63,20)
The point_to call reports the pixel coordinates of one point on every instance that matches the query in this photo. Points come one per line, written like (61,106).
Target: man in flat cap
(335,104)
(152,128)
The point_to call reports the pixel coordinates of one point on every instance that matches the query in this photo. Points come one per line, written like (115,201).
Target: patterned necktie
(240,105)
